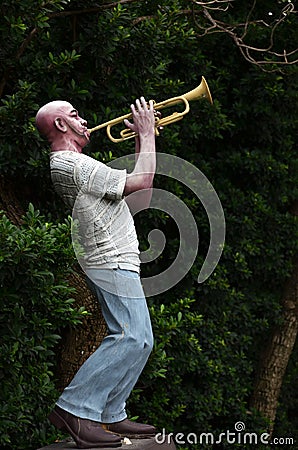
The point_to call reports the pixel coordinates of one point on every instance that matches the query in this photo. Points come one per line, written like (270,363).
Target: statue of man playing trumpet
(92,407)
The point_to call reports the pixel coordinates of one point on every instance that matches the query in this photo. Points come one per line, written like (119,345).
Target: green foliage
(36,304)
(207,337)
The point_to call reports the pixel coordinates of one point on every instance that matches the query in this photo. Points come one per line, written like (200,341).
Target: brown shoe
(130,429)
(86,433)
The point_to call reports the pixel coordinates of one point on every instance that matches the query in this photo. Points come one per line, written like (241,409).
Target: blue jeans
(102,385)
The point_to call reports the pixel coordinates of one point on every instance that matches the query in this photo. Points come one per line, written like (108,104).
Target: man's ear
(60,125)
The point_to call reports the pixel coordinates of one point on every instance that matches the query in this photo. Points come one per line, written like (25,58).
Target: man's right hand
(143,118)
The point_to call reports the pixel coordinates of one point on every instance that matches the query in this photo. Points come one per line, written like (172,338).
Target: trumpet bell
(200,91)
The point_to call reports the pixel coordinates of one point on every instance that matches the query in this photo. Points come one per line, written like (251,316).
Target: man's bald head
(61,124)
(47,114)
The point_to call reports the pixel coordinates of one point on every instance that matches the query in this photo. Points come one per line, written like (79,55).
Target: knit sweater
(105,228)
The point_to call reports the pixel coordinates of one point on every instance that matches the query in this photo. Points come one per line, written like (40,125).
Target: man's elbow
(138,182)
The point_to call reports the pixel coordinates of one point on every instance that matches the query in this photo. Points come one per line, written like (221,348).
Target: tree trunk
(275,357)
(9,202)
(79,343)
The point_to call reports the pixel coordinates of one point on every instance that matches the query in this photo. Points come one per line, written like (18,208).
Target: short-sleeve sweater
(94,191)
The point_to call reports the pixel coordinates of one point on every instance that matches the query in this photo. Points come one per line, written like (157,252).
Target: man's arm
(144,125)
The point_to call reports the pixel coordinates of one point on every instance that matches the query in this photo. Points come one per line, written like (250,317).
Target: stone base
(130,444)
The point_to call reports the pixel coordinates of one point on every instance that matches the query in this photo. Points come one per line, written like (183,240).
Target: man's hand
(143,118)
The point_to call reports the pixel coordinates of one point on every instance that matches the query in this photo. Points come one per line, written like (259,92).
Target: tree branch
(213,25)
(95,9)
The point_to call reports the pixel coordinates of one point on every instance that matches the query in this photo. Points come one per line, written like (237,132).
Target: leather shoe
(86,433)
(130,429)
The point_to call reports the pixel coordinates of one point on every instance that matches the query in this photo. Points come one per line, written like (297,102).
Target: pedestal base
(131,444)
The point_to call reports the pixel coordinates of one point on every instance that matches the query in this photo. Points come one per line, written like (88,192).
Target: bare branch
(218,4)
(238,32)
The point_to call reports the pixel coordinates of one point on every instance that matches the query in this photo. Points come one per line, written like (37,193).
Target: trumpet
(201,91)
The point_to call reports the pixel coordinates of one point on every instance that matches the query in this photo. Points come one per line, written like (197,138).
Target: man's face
(76,124)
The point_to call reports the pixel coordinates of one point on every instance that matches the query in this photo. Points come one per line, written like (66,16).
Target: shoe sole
(129,435)
(135,436)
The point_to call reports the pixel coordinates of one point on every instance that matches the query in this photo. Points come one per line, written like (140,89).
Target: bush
(36,303)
